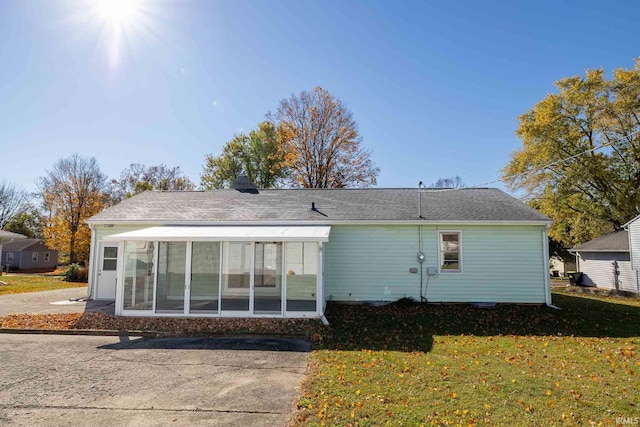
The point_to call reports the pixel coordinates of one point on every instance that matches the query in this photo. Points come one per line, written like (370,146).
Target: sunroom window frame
(220,313)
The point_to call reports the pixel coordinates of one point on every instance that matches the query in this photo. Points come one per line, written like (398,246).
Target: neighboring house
(605,262)
(6,237)
(29,255)
(559,267)
(244,252)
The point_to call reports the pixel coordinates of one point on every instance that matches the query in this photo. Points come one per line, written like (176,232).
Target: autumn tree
(71,192)
(259,155)
(322,137)
(13,200)
(580,158)
(138,178)
(452,182)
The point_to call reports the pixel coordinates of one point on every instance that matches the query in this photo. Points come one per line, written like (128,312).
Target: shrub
(405,302)
(75,273)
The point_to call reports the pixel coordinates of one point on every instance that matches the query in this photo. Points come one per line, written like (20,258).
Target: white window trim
(9,256)
(47,257)
(34,256)
(460,252)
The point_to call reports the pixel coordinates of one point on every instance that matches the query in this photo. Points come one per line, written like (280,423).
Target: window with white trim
(9,256)
(47,256)
(34,256)
(450,251)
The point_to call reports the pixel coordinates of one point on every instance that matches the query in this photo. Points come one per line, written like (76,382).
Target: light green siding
(371,263)
(500,264)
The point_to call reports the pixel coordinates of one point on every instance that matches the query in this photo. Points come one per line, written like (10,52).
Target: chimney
(244,185)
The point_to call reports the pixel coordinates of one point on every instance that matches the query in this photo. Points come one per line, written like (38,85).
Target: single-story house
(286,252)
(605,262)
(6,237)
(29,255)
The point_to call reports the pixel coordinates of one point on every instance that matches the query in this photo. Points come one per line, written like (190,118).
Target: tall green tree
(27,222)
(580,156)
(322,138)
(260,155)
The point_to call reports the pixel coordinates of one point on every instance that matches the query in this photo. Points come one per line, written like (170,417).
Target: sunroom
(204,271)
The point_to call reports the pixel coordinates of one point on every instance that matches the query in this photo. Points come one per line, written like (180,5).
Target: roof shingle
(339,205)
(618,241)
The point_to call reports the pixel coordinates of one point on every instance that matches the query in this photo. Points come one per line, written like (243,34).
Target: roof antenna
(420,200)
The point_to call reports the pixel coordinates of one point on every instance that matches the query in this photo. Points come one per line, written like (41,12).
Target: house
(7,236)
(560,268)
(28,255)
(605,262)
(286,252)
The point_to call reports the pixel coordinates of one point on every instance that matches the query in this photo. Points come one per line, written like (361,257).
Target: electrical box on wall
(432,271)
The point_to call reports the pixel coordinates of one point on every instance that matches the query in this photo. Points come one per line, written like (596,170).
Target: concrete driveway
(50,302)
(84,380)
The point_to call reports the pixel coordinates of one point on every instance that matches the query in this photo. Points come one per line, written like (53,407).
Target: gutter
(294,222)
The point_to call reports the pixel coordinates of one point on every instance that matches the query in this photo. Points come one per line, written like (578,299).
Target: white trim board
(227,234)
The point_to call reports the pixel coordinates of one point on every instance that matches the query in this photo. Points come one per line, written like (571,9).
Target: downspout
(323,291)
(420,245)
(92,256)
(545,258)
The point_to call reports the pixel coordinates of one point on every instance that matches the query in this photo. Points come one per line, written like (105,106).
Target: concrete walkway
(51,380)
(52,302)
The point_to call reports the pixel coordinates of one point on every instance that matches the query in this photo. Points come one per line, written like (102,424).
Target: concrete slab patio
(81,380)
(52,302)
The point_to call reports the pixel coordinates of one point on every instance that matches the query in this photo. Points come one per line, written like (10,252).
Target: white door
(107,269)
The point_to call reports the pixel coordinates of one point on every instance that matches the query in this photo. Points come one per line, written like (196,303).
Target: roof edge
(630,221)
(541,222)
(576,251)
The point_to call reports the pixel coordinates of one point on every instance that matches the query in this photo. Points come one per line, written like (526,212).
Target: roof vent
(244,185)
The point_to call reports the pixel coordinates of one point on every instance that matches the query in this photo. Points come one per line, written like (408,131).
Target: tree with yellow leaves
(72,191)
(322,137)
(580,158)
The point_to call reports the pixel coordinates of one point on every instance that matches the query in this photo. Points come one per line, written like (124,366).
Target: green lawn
(21,283)
(458,365)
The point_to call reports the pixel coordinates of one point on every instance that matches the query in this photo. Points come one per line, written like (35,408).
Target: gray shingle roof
(332,205)
(22,244)
(9,235)
(618,241)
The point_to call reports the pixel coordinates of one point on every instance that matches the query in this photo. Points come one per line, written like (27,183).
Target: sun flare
(118,12)
(123,23)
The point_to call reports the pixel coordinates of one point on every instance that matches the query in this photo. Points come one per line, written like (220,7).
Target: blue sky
(436,87)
